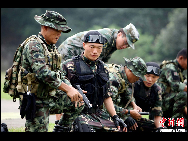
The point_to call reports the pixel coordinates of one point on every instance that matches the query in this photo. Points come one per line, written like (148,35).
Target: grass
(22,129)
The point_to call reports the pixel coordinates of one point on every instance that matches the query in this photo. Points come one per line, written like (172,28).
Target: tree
(173,37)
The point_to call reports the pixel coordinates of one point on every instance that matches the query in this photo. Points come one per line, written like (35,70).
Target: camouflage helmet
(137,66)
(131,34)
(53,20)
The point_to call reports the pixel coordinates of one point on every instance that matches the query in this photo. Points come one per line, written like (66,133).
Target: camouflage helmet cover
(131,34)
(53,20)
(137,66)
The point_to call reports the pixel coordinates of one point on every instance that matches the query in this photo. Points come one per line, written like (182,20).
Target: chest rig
(27,82)
(95,83)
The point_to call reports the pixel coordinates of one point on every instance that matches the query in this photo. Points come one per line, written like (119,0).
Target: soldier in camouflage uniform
(40,58)
(174,90)
(115,40)
(120,79)
(88,71)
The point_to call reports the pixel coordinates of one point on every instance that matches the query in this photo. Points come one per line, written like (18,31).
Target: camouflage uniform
(120,89)
(94,118)
(73,45)
(171,81)
(48,98)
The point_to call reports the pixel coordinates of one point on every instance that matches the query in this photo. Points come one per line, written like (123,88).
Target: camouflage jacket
(170,77)
(73,45)
(33,60)
(119,85)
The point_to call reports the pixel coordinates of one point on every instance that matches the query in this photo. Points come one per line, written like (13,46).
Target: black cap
(94,37)
(153,68)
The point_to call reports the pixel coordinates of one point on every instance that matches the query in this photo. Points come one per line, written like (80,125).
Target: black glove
(130,122)
(118,122)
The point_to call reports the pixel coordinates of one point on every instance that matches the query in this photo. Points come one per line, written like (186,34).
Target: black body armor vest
(94,83)
(145,102)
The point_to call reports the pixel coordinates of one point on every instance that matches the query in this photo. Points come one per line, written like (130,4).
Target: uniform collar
(89,62)
(178,65)
(43,39)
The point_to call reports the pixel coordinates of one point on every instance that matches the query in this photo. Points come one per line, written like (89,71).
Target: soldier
(148,94)
(115,40)
(88,71)
(174,91)
(41,58)
(120,79)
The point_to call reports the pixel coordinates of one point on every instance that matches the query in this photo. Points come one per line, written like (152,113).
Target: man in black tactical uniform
(88,71)
(148,94)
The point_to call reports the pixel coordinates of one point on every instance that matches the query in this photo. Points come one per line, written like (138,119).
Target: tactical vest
(94,83)
(146,103)
(17,79)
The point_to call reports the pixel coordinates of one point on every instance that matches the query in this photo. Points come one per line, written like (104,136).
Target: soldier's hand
(74,94)
(134,114)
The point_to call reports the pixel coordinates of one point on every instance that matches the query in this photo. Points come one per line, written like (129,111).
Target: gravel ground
(10,114)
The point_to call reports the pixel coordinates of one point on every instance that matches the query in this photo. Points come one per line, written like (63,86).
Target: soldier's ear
(84,45)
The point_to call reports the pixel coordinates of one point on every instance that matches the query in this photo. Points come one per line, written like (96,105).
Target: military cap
(94,37)
(53,20)
(137,66)
(131,34)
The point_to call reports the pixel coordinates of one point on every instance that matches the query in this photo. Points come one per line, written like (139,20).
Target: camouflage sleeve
(35,57)
(157,109)
(174,80)
(67,69)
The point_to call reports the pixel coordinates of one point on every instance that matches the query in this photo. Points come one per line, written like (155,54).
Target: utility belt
(92,110)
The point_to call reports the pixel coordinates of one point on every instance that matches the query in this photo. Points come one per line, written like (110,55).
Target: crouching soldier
(148,94)
(121,78)
(88,71)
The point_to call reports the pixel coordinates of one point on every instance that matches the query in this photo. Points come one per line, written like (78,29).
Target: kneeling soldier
(88,71)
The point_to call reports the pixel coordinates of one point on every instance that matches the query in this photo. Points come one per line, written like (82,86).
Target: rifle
(143,113)
(86,100)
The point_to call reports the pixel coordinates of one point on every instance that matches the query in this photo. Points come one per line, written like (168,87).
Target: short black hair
(121,30)
(183,53)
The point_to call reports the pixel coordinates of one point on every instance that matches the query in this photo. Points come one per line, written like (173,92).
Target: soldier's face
(183,62)
(151,79)
(92,50)
(51,35)
(121,42)
(130,76)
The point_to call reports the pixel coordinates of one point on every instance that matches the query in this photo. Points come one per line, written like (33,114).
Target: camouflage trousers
(173,104)
(45,107)
(97,122)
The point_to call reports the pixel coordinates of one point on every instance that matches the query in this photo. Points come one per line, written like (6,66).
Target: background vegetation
(163,31)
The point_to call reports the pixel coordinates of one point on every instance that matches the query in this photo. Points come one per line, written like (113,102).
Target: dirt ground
(10,114)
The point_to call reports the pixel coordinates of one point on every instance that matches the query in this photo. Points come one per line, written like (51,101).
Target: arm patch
(175,76)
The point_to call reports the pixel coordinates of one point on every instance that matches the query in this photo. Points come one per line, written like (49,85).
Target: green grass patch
(22,129)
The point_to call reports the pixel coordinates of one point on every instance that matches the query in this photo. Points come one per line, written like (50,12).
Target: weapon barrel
(86,100)
(144,113)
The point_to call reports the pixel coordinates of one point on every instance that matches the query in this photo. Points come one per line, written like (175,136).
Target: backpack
(16,72)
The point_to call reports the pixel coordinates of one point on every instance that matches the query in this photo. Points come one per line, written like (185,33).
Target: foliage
(163,31)
(173,37)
